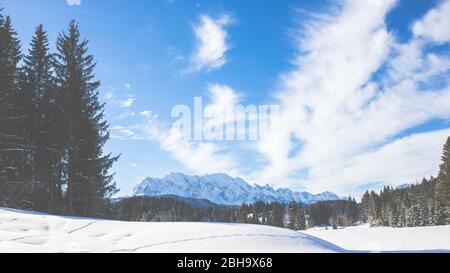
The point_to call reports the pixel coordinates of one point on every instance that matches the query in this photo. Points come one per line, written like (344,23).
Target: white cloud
(120,102)
(331,106)
(405,160)
(127,103)
(196,156)
(435,25)
(200,157)
(124,132)
(73,2)
(212,43)
(146,113)
(223,95)
(144,126)
(109,95)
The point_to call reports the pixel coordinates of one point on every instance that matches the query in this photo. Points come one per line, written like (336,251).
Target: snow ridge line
(46,235)
(204,238)
(9,221)
(27,237)
(82,227)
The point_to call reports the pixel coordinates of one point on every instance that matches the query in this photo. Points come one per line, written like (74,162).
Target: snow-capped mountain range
(223,189)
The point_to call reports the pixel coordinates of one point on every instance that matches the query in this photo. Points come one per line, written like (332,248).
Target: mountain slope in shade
(223,189)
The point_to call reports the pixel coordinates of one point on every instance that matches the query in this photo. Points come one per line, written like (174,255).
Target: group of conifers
(52,127)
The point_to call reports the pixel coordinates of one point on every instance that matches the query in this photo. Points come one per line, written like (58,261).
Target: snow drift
(387,239)
(22,231)
(31,232)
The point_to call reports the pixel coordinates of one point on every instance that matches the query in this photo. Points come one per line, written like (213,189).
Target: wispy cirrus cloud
(142,126)
(73,2)
(212,43)
(435,24)
(342,115)
(404,160)
(121,102)
(193,155)
(127,103)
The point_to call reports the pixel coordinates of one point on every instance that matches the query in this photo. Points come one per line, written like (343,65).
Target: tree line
(423,204)
(52,127)
(298,216)
(335,213)
(293,215)
(264,213)
(170,209)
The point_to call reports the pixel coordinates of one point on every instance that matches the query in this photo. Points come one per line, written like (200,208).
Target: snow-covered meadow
(387,239)
(29,232)
(22,231)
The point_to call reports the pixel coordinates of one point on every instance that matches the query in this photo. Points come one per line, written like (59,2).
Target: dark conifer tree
(301,220)
(14,150)
(394,214)
(42,111)
(365,201)
(351,211)
(293,215)
(443,184)
(89,182)
(277,214)
(333,221)
(244,210)
(296,216)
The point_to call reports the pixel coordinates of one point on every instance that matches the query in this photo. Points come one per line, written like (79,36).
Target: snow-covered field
(29,232)
(386,239)
(22,231)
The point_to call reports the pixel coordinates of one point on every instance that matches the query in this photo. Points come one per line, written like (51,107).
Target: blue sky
(362,85)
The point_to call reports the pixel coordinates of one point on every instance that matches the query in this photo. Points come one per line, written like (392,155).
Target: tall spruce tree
(9,58)
(443,184)
(292,215)
(365,203)
(374,213)
(43,123)
(277,214)
(394,215)
(351,211)
(244,210)
(14,171)
(89,183)
(301,220)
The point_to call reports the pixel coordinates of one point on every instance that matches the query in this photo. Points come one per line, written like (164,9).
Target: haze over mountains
(223,189)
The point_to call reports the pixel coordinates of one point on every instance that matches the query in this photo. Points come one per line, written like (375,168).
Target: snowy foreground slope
(29,232)
(386,239)
(22,231)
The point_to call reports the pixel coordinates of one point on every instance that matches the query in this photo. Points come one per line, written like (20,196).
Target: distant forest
(292,215)
(52,133)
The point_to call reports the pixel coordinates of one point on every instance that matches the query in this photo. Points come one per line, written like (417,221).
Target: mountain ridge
(223,189)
